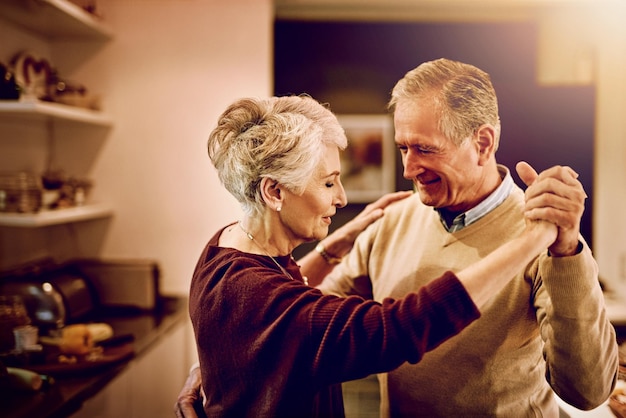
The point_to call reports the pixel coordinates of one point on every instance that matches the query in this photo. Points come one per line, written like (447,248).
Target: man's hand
(189,402)
(555,195)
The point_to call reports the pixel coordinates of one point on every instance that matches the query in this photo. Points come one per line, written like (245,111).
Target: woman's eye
(329,184)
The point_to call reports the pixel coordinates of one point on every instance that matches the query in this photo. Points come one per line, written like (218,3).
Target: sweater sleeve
(350,276)
(580,346)
(353,332)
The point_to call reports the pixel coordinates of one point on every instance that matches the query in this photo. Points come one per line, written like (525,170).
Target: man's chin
(427,198)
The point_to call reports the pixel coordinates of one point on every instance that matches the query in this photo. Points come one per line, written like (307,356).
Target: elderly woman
(269,345)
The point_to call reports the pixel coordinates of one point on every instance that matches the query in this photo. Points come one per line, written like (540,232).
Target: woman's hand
(340,242)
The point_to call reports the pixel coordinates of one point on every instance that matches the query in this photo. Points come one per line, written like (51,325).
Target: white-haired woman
(269,345)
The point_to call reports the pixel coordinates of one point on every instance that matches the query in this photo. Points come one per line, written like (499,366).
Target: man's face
(446,176)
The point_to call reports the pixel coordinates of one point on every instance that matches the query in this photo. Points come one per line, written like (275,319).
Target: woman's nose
(341,199)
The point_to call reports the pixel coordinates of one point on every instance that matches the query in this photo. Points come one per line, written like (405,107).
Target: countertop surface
(70,390)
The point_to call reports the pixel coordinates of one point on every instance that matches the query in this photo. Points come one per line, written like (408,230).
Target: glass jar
(13,314)
(21,192)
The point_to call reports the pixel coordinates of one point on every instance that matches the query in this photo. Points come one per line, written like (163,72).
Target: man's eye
(330,184)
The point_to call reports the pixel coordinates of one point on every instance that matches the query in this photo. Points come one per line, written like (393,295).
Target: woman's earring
(278,208)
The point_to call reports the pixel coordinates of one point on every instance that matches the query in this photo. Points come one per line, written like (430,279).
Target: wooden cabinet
(148,387)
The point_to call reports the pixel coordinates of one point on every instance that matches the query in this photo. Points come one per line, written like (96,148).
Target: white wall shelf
(45,128)
(54,19)
(55,217)
(37,110)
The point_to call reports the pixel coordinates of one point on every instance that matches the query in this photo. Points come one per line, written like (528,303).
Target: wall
(169,72)
(172,70)
(586,43)
(610,162)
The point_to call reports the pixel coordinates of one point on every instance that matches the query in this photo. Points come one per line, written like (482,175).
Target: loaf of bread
(76,339)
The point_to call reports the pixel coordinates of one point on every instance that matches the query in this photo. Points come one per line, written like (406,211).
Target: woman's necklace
(251,238)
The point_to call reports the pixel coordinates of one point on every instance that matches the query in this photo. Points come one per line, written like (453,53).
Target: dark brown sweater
(269,346)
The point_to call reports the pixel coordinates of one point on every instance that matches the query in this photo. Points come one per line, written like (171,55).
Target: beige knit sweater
(547,328)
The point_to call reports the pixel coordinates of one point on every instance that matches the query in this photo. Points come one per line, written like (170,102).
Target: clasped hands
(556,196)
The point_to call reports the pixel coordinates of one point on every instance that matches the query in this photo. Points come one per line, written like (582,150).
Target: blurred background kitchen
(102,155)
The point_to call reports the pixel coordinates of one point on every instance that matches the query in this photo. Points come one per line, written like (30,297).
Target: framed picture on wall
(368,163)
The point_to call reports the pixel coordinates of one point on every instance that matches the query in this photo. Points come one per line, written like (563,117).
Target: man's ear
(270,191)
(485,138)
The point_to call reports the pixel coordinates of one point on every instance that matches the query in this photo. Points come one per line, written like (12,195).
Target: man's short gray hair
(462,94)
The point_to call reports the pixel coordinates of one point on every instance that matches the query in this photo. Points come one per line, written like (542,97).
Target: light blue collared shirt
(490,203)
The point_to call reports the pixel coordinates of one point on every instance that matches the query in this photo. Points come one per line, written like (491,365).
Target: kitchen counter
(67,394)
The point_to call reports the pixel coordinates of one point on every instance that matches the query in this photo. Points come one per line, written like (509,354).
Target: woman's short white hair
(281,138)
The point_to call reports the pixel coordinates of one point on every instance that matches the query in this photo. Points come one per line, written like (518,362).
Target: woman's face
(308,216)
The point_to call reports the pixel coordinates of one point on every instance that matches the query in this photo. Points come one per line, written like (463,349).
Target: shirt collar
(487,205)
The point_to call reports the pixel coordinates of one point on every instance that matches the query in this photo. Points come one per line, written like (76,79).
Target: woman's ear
(270,191)
(485,138)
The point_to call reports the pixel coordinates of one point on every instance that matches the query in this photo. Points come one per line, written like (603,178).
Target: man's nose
(412,163)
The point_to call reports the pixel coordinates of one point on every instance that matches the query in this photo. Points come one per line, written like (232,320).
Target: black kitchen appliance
(54,295)
(59,294)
